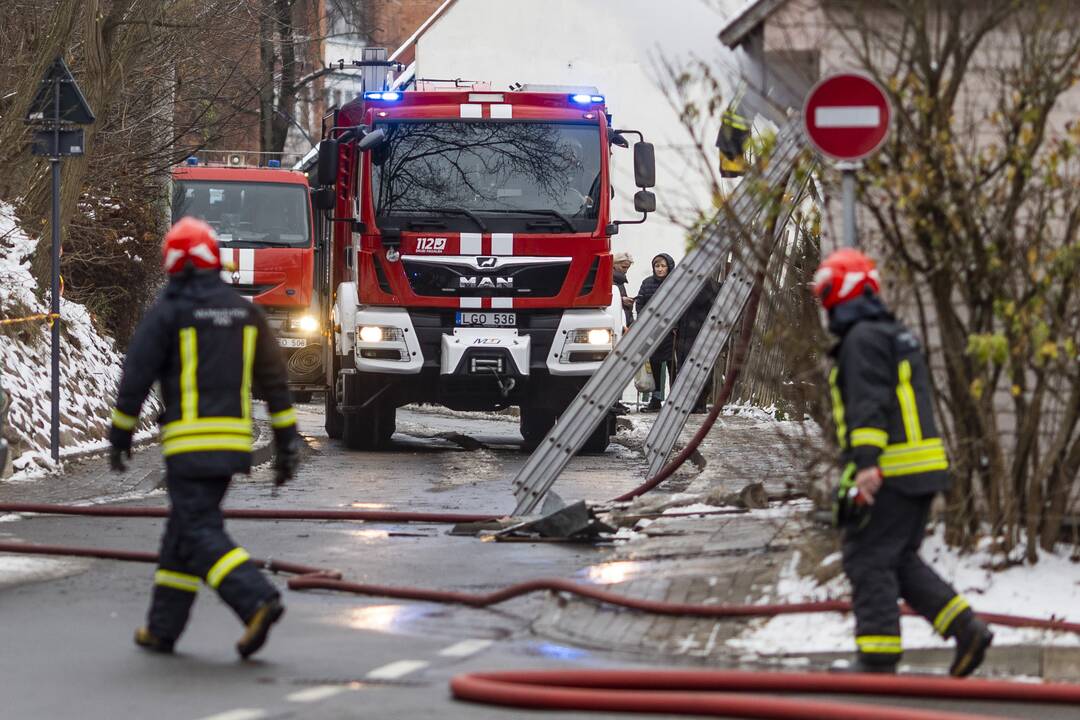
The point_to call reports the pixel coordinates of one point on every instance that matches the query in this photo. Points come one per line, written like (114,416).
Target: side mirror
(372,140)
(328,162)
(644,165)
(618,140)
(644,201)
(325,198)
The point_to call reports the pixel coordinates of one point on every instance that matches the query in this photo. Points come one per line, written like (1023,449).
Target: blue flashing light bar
(192,160)
(273,163)
(586,99)
(384,95)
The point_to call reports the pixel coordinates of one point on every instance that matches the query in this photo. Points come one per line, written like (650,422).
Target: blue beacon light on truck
(586,99)
(384,95)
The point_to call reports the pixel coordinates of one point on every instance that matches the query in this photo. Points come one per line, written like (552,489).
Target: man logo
(486,262)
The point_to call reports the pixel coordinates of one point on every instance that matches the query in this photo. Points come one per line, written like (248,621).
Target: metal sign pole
(847,174)
(54,161)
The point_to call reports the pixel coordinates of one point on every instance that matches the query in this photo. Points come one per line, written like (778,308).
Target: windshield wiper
(452,211)
(540,211)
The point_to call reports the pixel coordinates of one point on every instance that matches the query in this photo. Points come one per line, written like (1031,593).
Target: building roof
(748,17)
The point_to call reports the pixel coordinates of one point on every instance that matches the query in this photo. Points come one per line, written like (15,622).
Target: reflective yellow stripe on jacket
(838,407)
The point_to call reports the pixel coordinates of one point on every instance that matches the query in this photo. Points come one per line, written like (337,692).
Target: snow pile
(89,364)
(1050,588)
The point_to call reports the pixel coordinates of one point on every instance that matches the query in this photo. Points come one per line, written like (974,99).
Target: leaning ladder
(725,312)
(585,412)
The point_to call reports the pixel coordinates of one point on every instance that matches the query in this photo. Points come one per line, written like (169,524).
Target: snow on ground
(1051,588)
(90,365)
(18,570)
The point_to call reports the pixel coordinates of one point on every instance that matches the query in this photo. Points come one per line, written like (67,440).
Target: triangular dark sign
(73,107)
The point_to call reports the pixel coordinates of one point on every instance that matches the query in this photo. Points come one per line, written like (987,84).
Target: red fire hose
(659,691)
(252,514)
(721,693)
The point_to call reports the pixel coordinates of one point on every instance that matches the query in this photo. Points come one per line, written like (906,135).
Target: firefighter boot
(146,639)
(972,640)
(258,626)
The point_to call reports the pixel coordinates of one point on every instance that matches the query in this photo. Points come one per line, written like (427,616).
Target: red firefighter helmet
(190,240)
(844,276)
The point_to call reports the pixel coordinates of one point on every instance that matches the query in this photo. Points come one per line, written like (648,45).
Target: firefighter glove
(116,459)
(849,510)
(286,460)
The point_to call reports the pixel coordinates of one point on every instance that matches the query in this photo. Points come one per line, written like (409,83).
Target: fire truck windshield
(517,176)
(247,214)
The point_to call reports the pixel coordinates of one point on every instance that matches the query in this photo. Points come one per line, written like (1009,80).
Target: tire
(369,429)
(534,424)
(598,442)
(334,422)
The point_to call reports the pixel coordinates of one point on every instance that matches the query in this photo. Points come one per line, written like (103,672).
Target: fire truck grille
(540,280)
(250,290)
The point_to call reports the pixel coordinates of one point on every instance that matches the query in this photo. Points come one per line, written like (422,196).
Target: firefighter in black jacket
(206,345)
(894,463)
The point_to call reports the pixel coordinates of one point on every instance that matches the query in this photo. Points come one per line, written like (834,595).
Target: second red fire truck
(264,222)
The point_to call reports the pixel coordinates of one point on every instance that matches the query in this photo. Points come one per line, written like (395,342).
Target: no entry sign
(847,116)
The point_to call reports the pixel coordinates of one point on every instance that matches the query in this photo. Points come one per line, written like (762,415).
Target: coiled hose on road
(716,693)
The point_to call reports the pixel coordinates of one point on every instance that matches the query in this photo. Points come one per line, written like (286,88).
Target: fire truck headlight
(599,336)
(371,333)
(307,324)
(593,336)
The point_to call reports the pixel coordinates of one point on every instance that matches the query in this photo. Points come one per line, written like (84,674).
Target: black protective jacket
(882,404)
(689,325)
(648,288)
(208,347)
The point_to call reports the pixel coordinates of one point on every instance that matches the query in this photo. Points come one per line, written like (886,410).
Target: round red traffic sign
(847,116)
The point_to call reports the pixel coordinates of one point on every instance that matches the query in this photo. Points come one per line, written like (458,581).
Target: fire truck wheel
(334,423)
(535,422)
(598,442)
(371,428)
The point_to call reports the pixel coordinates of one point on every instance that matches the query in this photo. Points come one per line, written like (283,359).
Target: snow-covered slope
(90,363)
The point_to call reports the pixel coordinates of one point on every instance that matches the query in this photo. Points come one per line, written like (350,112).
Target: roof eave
(749,18)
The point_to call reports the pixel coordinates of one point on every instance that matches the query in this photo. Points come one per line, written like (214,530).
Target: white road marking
(239,714)
(839,116)
(315,694)
(465,648)
(396,669)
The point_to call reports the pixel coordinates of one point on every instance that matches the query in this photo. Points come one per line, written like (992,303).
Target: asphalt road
(66,624)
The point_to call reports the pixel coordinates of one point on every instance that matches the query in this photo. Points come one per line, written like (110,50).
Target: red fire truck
(468,257)
(263,218)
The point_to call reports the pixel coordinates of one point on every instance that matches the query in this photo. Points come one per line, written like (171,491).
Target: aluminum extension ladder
(711,338)
(591,405)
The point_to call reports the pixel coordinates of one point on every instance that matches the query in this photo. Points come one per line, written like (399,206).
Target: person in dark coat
(620,266)
(894,464)
(207,346)
(687,329)
(664,354)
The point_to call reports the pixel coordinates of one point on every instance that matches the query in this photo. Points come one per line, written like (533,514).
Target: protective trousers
(882,562)
(196,549)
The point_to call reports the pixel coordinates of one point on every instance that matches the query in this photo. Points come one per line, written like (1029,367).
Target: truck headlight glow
(599,337)
(307,324)
(371,334)
(592,336)
(381,334)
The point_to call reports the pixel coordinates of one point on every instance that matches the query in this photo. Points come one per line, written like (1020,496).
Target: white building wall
(614,45)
